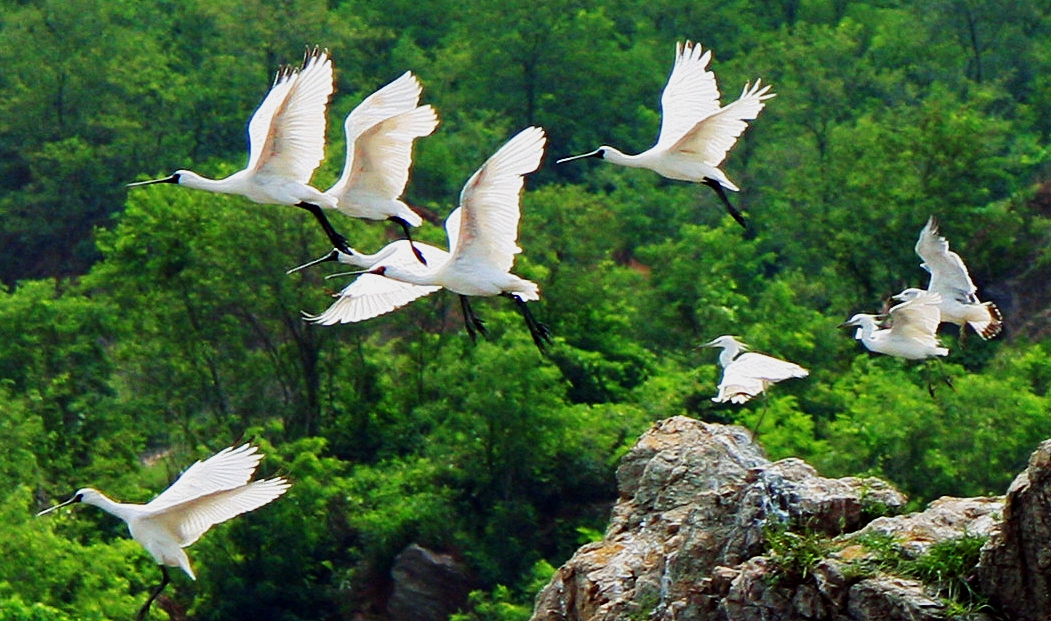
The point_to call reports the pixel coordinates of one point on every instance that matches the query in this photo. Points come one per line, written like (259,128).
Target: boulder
(427,586)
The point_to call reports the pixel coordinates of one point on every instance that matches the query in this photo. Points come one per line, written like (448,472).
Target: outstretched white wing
(190,519)
(287,132)
(917,319)
(371,295)
(749,374)
(229,468)
(715,135)
(380,133)
(690,96)
(489,203)
(949,275)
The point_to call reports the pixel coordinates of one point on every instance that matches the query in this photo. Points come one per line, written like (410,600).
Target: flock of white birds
(287,144)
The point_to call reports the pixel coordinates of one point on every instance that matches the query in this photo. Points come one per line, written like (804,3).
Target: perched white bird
(950,279)
(695,132)
(483,235)
(208,493)
(371,295)
(380,133)
(911,334)
(748,374)
(286,139)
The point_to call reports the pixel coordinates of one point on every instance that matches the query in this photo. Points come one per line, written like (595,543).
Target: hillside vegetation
(141,331)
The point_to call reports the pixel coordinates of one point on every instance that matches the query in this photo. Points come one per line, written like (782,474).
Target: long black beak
(168,179)
(331,256)
(596,153)
(72,500)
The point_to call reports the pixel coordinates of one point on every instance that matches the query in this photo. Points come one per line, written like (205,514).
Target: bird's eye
(78,498)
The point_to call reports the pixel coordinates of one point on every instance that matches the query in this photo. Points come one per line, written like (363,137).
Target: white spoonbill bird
(208,493)
(380,133)
(286,139)
(696,133)
(911,334)
(370,295)
(748,374)
(483,235)
(949,278)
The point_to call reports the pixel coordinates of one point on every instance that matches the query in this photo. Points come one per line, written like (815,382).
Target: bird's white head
(861,320)
(178,178)
(86,495)
(908,294)
(725,341)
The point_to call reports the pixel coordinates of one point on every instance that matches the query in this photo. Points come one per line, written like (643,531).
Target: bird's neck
(107,504)
(412,277)
(229,185)
(614,156)
(728,354)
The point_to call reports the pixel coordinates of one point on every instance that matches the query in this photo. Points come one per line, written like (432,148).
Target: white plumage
(380,134)
(483,235)
(949,278)
(207,493)
(370,295)
(749,374)
(696,133)
(912,329)
(286,137)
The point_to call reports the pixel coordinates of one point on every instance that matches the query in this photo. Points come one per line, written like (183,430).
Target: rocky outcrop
(690,539)
(427,586)
(1015,569)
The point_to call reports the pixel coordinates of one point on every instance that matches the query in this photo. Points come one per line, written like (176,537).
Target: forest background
(140,331)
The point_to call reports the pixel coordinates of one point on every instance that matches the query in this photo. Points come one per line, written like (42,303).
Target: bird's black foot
(737,215)
(540,333)
(408,235)
(146,607)
(335,238)
(472,322)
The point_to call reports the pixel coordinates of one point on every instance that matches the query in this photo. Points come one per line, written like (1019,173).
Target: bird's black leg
(715,185)
(337,240)
(146,607)
(473,323)
(540,333)
(408,235)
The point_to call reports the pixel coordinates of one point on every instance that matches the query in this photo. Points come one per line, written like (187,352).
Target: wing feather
(287,131)
(190,519)
(691,94)
(714,136)
(489,203)
(917,319)
(227,469)
(949,275)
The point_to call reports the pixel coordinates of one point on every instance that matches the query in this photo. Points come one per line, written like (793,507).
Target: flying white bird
(911,334)
(696,133)
(748,374)
(380,133)
(286,139)
(950,279)
(483,235)
(208,493)
(371,295)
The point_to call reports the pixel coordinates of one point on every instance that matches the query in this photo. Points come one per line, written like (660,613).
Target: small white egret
(949,278)
(380,133)
(748,374)
(483,235)
(370,295)
(286,139)
(696,133)
(208,492)
(911,334)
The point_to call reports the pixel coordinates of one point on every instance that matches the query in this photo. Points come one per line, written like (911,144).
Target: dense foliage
(141,331)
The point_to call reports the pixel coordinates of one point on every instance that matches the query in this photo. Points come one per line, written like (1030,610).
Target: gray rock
(427,586)
(1015,568)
